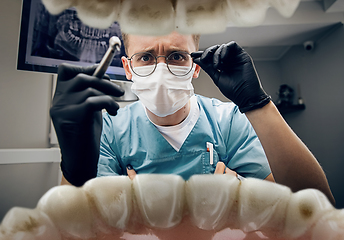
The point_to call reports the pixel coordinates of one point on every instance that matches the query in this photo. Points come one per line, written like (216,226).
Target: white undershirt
(177,134)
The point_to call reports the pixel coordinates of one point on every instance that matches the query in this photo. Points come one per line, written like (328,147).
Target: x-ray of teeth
(66,37)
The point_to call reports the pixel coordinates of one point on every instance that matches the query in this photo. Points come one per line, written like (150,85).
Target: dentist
(171,130)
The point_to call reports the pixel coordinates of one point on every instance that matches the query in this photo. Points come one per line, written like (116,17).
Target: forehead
(160,44)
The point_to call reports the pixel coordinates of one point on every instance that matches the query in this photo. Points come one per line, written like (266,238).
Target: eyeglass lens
(149,62)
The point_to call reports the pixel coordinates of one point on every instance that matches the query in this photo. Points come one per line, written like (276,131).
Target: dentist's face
(159,46)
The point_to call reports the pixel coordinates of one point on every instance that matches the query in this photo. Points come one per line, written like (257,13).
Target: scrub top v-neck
(131,138)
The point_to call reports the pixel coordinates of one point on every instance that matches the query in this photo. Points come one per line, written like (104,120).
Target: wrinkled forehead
(159,45)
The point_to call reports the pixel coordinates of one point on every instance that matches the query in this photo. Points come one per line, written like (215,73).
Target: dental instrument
(114,45)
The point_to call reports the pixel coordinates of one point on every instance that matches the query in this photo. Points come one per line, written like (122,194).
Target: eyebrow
(170,50)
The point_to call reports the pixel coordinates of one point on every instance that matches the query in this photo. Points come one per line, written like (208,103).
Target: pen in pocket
(210,148)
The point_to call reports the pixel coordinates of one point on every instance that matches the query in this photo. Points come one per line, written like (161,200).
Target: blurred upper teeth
(159,17)
(147,17)
(211,202)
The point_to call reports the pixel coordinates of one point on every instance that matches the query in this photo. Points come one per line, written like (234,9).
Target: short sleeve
(246,155)
(108,164)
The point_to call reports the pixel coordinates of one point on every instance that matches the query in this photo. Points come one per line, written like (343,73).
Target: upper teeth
(211,202)
(160,17)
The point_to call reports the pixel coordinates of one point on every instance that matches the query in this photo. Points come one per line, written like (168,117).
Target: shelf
(290,108)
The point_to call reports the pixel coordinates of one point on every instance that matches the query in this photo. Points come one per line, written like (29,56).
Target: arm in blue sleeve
(245,153)
(108,164)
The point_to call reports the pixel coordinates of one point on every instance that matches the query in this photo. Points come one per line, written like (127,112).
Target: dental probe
(114,44)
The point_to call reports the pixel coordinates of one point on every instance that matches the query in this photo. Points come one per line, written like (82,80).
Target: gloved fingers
(107,87)
(205,61)
(78,112)
(196,54)
(97,103)
(63,100)
(207,56)
(230,55)
(231,49)
(72,114)
(68,71)
(217,59)
(226,55)
(106,77)
(204,58)
(83,81)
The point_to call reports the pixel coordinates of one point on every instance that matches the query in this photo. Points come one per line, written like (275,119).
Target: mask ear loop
(131,69)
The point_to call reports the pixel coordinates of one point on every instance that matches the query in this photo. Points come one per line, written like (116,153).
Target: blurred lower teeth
(205,204)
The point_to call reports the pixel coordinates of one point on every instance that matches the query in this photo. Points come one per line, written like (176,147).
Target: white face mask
(162,92)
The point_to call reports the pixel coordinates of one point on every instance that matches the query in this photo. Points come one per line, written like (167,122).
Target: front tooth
(248,12)
(330,226)
(305,207)
(160,199)
(57,6)
(285,7)
(210,198)
(149,17)
(68,207)
(157,17)
(98,13)
(201,16)
(262,205)
(25,224)
(113,199)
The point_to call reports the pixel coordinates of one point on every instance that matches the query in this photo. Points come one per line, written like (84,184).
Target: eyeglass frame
(156,63)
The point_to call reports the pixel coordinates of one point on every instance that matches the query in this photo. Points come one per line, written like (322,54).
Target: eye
(179,59)
(178,56)
(143,58)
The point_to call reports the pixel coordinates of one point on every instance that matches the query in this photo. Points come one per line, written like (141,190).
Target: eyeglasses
(144,64)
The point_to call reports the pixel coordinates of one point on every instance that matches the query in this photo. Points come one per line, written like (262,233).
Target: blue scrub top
(130,138)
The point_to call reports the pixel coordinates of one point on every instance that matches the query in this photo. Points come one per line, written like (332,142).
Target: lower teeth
(171,208)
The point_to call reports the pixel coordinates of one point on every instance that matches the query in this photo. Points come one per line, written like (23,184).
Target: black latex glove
(76,114)
(232,70)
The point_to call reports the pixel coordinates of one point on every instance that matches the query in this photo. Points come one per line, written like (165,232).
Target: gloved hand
(77,118)
(232,70)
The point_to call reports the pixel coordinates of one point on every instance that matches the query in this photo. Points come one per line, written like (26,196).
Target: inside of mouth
(154,206)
